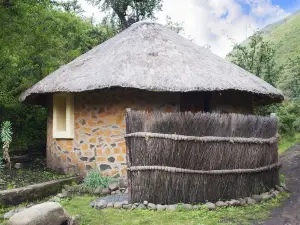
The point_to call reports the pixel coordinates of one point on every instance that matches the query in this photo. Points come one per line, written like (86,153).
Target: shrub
(95,179)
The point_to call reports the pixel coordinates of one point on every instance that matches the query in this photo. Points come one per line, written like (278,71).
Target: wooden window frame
(69,132)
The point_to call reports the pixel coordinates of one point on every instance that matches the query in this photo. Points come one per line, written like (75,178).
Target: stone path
(289,213)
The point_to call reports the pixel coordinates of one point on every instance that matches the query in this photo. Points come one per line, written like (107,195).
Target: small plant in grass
(94,179)
(6,138)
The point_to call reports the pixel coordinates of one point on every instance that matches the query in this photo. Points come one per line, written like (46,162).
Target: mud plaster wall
(100,128)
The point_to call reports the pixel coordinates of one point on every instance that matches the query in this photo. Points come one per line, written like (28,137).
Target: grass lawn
(230,215)
(287,142)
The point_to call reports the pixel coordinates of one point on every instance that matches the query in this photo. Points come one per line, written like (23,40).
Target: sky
(217,23)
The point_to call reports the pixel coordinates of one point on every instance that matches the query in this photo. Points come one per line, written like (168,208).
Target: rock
(136,204)
(65,193)
(118,192)
(210,206)
(128,206)
(122,183)
(145,203)
(48,213)
(278,188)
(141,206)
(74,220)
(89,190)
(118,205)
(92,204)
(133,206)
(17,210)
(98,191)
(221,204)
(234,202)
(54,199)
(110,205)
(160,207)
(113,193)
(171,207)
(122,190)
(9,214)
(105,191)
(113,186)
(60,195)
(125,202)
(250,201)
(242,201)
(100,204)
(18,166)
(151,206)
(187,206)
(257,198)
(29,205)
(196,207)
(126,191)
(275,193)
(285,188)
(266,196)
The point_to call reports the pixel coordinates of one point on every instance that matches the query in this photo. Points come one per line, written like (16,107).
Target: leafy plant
(6,138)
(95,179)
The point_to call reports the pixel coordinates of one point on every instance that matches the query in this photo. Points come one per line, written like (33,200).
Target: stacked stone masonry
(99,130)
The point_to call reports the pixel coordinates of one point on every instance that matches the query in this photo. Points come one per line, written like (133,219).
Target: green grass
(287,142)
(230,215)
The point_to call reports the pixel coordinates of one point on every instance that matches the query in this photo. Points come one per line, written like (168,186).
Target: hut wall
(231,102)
(100,128)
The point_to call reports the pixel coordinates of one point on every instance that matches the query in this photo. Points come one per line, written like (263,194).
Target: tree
(257,57)
(290,80)
(126,12)
(36,38)
(71,6)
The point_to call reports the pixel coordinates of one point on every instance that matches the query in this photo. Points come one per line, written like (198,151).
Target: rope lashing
(212,172)
(177,137)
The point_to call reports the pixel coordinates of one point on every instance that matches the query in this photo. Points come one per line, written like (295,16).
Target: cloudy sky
(213,22)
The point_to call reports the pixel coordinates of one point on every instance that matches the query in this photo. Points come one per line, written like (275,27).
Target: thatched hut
(146,67)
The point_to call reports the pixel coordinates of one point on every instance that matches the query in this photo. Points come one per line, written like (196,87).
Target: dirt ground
(289,213)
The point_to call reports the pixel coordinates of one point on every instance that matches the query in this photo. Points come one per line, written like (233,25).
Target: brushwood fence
(191,158)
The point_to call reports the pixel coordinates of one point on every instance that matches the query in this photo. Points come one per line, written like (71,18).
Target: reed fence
(194,157)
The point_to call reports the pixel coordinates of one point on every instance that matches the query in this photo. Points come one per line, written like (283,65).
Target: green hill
(285,35)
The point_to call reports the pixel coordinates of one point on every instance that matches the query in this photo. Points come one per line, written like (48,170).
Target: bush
(94,179)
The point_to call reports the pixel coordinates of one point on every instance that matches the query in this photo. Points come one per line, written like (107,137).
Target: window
(63,115)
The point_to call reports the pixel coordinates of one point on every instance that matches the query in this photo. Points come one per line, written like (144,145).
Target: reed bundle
(186,157)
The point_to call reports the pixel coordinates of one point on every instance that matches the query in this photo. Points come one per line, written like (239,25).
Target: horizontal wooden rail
(215,172)
(177,137)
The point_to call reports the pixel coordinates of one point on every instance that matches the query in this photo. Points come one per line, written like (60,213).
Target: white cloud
(211,22)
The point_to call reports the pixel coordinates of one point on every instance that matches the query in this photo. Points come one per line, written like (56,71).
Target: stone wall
(100,128)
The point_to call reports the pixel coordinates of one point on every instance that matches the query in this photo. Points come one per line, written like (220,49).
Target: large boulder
(48,213)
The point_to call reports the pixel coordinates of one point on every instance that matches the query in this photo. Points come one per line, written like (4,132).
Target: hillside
(285,35)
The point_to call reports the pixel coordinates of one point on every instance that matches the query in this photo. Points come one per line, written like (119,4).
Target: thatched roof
(152,57)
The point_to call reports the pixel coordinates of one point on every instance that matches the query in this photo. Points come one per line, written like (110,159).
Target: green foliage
(290,80)
(94,179)
(1,165)
(126,12)
(6,133)
(36,38)
(257,57)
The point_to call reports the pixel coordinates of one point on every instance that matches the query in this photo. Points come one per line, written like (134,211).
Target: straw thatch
(152,57)
(186,157)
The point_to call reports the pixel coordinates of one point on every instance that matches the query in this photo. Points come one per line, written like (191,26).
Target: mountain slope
(285,35)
